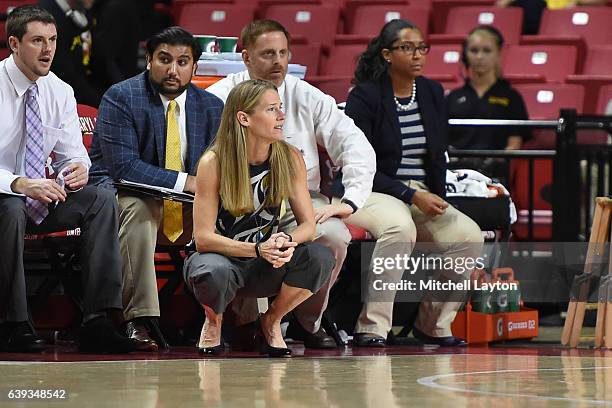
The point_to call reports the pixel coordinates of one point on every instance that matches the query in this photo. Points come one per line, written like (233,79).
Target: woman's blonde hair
(231,149)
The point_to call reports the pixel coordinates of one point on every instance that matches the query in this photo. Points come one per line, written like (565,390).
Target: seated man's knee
(96,193)
(13,211)
(134,207)
(12,206)
(334,234)
(402,230)
(470,232)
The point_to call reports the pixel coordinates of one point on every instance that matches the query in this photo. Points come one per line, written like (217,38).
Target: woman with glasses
(485,95)
(241,184)
(403,116)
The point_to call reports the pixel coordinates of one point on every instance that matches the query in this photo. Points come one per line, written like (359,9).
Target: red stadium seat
(216,19)
(336,86)
(367,20)
(544,101)
(444,63)
(461,20)
(177,5)
(591,23)
(306,54)
(87,119)
(598,60)
(7,5)
(596,73)
(578,26)
(341,58)
(441,8)
(550,63)
(316,23)
(604,102)
(542,215)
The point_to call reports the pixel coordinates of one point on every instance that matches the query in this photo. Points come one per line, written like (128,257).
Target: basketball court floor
(536,374)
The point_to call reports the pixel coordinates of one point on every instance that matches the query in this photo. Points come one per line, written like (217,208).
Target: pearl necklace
(412,99)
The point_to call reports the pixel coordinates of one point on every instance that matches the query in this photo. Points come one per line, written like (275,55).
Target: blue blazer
(371,105)
(129,140)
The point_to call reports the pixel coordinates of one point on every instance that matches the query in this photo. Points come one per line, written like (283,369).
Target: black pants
(216,279)
(94,210)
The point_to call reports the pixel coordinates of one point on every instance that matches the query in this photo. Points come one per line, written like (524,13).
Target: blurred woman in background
(485,95)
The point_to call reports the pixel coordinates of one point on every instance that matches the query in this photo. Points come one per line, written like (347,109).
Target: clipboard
(155,191)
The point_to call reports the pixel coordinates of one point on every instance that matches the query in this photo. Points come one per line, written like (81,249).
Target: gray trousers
(216,279)
(332,234)
(94,210)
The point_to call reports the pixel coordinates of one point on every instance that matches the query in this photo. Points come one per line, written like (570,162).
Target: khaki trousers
(140,218)
(396,227)
(332,234)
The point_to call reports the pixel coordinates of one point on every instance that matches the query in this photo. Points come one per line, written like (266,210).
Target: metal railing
(568,180)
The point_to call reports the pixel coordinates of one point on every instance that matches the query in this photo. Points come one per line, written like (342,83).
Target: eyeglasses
(412,48)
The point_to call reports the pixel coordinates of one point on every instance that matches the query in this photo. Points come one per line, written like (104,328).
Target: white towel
(470,183)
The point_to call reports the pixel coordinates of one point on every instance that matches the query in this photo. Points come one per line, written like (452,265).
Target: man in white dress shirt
(312,121)
(38,117)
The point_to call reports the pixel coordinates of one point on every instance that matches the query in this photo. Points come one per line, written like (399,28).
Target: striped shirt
(414,146)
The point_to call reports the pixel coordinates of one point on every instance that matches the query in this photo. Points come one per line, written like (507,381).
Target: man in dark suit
(152,129)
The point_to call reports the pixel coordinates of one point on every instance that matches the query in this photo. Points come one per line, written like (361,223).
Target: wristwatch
(350,203)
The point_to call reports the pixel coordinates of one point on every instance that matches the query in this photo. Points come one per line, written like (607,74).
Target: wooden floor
(538,374)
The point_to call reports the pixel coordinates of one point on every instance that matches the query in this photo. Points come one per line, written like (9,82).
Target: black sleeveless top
(255,226)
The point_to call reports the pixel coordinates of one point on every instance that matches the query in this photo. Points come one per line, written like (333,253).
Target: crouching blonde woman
(242,181)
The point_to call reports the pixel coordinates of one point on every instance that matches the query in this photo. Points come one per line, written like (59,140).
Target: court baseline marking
(431,382)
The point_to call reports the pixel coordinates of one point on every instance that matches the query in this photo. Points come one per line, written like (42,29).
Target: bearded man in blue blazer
(152,129)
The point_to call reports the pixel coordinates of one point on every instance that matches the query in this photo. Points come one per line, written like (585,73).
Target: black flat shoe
(447,341)
(368,340)
(265,348)
(212,351)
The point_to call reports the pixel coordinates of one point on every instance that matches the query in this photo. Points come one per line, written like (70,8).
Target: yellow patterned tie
(173,211)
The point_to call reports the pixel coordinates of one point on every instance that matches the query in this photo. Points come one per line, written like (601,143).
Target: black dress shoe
(368,340)
(138,332)
(100,336)
(447,341)
(21,338)
(212,351)
(318,340)
(265,348)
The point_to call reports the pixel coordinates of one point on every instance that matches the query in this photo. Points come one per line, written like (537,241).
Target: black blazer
(370,104)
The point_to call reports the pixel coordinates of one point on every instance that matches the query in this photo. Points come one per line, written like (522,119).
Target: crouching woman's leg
(307,271)
(214,280)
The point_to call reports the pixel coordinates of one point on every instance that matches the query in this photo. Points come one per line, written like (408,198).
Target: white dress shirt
(312,118)
(62,133)
(182,122)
